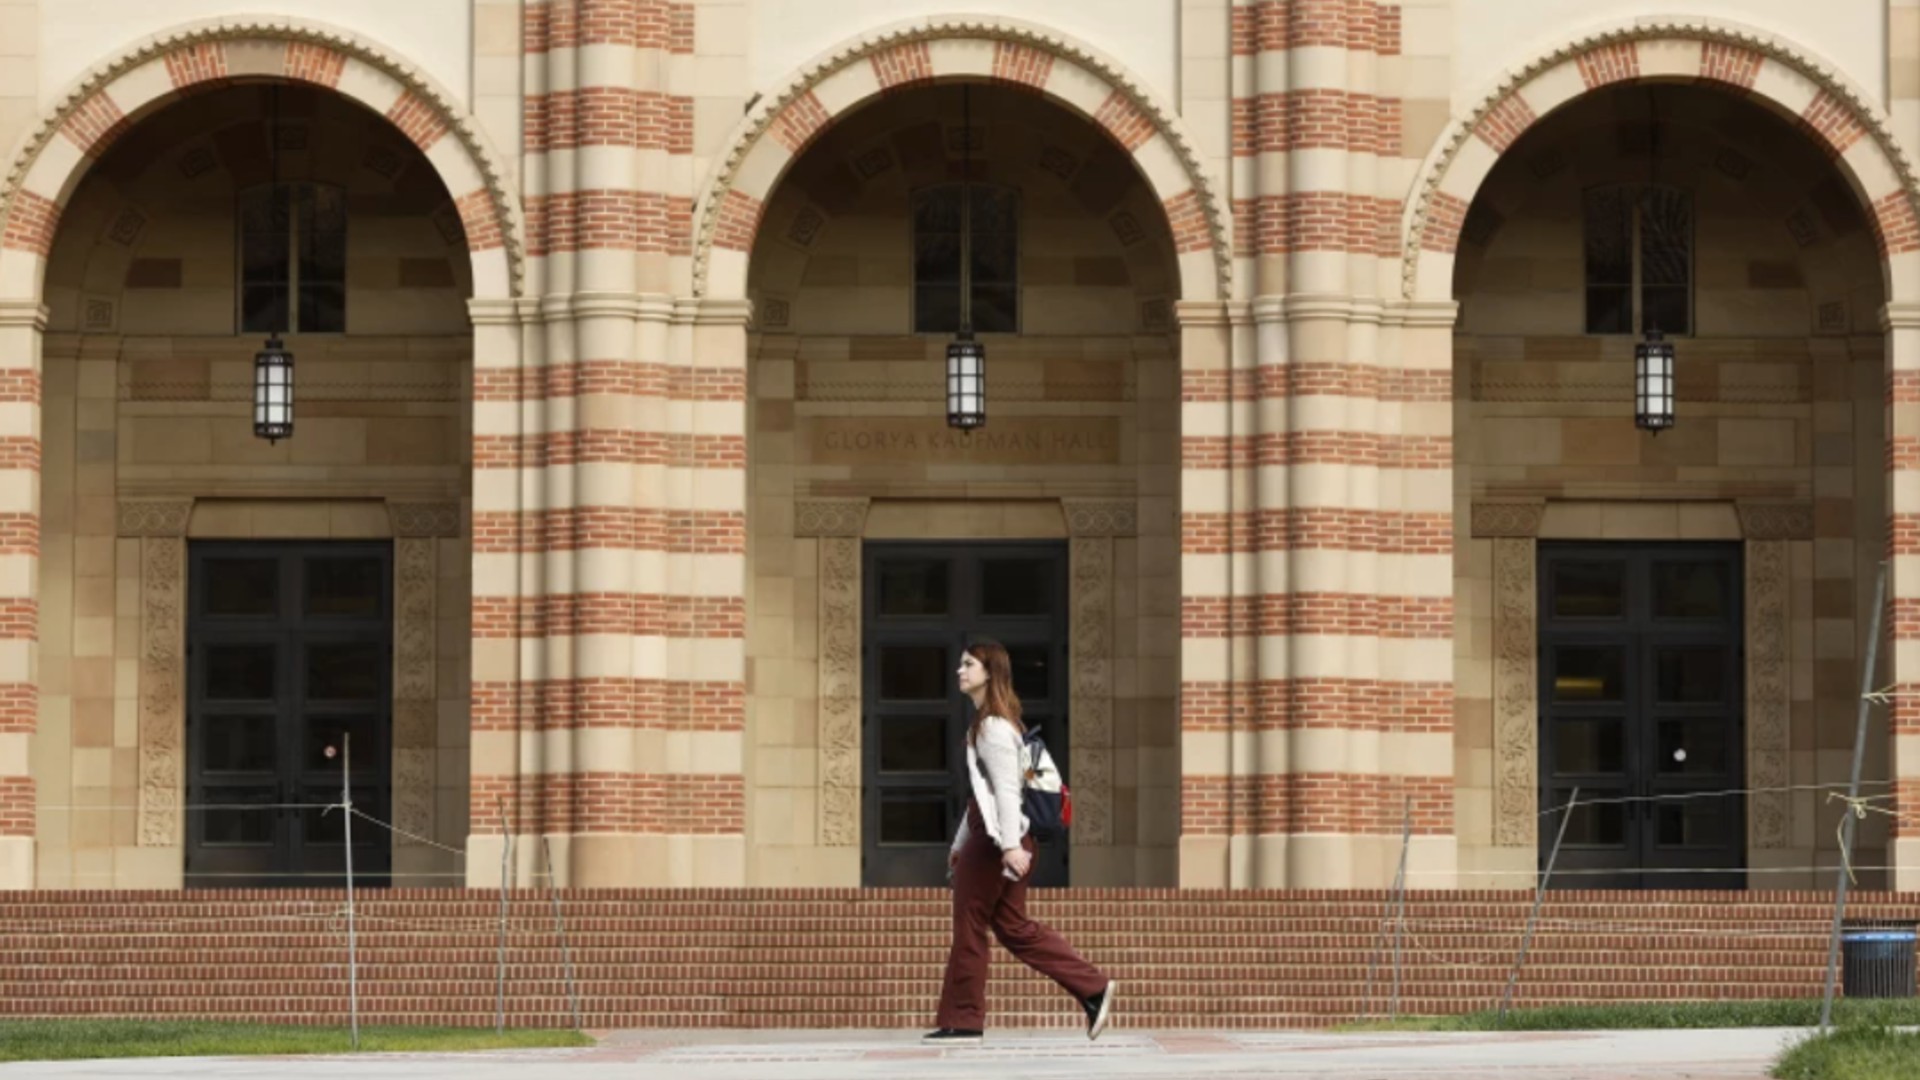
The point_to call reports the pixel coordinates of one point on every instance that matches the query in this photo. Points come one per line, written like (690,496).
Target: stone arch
(1043,61)
(159,70)
(1770,72)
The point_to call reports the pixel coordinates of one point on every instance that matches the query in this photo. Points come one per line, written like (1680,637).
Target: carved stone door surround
(1766,529)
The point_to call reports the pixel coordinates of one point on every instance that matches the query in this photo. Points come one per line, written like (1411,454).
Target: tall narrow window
(293,259)
(1639,259)
(992,275)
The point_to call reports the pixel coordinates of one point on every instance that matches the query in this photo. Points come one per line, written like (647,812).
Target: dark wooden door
(922,604)
(289,652)
(1642,706)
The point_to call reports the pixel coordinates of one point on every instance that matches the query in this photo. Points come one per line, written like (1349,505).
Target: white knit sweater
(998,793)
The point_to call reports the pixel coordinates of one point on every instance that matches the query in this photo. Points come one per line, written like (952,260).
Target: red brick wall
(724,958)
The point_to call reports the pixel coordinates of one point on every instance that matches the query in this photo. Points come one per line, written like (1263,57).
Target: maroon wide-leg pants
(982,898)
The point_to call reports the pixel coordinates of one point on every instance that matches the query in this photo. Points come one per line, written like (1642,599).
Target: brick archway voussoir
(161,70)
(992,51)
(1837,115)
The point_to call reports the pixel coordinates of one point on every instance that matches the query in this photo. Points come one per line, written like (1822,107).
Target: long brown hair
(1000,699)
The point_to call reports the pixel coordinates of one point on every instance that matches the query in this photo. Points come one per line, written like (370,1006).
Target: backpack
(1044,797)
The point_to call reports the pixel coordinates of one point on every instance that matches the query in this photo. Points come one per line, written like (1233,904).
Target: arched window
(293,258)
(992,274)
(1639,259)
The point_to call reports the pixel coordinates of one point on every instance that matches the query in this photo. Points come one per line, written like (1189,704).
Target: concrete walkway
(1745,1054)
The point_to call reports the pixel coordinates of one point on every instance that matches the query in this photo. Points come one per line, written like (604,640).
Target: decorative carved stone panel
(414,587)
(1516,687)
(1091,660)
(1087,517)
(1775,521)
(154,517)
(1769,692)
(839,689)
(1509,519)
(830,517)
(424,519)
(163,573)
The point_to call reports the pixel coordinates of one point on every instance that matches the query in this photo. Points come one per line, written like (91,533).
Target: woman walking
(991,857)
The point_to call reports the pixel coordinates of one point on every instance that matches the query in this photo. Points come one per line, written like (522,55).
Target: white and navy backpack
(1043,791)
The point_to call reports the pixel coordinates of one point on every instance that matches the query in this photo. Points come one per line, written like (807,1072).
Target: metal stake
(500,979)
(1540,895)
(1400,899)
(1853,794)
(353,943)
(566,956)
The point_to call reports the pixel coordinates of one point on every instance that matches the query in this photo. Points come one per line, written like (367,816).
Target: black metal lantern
(273,391)
(1653,382)
(966,383)
(966,358)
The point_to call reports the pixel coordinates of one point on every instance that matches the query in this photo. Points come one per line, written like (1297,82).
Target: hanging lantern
(1653,382)
(273,391)
(966,383)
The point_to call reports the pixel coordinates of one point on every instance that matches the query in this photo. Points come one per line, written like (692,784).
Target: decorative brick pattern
(19,618)
(622,220)
(19,534)
(16,806)
(620,446)
(739,220)
(607,116)
(1386,532)
(1022,65)
(197,64)
(20,452)
(1278,25)
(1354,614)
(619,803)
(639,704)
(94,124)
(1124,120)
(674,382)
(903,66)
(639,24)
(1293,704)
(1608,64)
(1342,803)
(480,220)
(1446,216)
(417,120)
(307,62)
(1895,228)
(640,614)
(1318,221)
(1505,122)
(1319,379)
(1322,447)
(1316,119)
(19,707)
(691,532)
(1833,121)
(31,222)
(1187,220)
(800,121)
(1727,63)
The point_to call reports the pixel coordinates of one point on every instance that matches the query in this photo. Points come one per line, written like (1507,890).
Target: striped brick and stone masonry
(1823,112)
(609,611)
(21,325)
(1316,708)
(54,167)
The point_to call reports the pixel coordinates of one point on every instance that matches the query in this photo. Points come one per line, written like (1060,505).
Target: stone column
(1902,637)
(22,322)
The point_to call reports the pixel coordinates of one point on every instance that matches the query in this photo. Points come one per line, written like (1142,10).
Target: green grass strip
(1649,1015)
(1853,1053)
(62,1040)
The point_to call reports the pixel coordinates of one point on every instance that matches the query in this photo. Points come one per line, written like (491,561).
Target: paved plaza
(740,1055)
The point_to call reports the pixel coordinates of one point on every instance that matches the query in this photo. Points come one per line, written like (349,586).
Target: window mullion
(1637,279)
(293,261)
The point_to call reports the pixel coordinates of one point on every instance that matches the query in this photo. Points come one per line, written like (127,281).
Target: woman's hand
(1018,860)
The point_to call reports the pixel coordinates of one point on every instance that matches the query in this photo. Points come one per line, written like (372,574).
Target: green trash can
(1877,962)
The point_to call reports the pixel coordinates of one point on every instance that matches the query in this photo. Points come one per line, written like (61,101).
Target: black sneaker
(952,1035)
(1098,1007)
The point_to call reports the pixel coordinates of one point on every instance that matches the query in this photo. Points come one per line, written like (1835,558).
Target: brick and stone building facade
(619,411)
